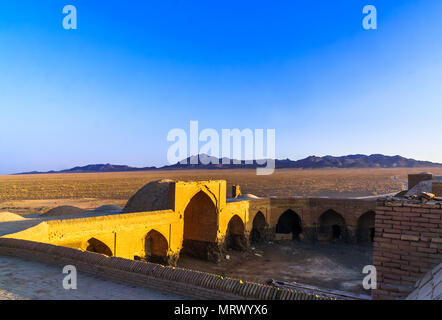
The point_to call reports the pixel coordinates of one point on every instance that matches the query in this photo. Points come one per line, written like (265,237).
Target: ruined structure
(166,219)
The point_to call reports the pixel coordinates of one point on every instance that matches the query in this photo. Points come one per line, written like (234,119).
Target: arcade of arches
(195,218)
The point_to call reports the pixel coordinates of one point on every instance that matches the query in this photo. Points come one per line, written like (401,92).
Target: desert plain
(31,194)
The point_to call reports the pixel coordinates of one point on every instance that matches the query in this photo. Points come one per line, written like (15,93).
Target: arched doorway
(289,223)
(332,226)
(156,247)
(200,228)
(365,229)
(258,233)
(235,238)
(97,246)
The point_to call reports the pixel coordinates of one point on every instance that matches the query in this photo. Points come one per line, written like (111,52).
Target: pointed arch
(332,225)
(200,226)
(235,238)
(97,246)
(155,247)
(289,222)
(259,227)
(365,227)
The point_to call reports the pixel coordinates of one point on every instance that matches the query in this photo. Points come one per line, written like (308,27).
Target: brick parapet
(177,281)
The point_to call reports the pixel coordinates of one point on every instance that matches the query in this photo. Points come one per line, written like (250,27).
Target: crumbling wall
(429,287)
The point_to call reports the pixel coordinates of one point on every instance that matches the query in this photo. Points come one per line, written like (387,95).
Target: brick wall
(177,281)
(408,243)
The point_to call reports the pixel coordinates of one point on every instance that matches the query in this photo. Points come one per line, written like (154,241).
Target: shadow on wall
(366,229)
(97,246)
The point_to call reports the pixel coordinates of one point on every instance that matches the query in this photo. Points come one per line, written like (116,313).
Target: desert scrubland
(119,186)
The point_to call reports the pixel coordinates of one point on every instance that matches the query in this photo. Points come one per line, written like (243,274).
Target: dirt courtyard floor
(335,266)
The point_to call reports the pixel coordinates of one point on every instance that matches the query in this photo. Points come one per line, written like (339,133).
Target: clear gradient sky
(110,91)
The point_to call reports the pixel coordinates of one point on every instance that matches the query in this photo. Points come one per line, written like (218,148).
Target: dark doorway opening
(156,247)
(290,222)
(200,228)
(365,229)
(336,231)
(235,238)
(332,226)
(258,233)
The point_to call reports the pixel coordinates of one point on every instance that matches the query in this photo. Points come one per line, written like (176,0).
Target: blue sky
(111,90)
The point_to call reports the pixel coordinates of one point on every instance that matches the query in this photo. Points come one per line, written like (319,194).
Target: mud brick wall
(414,179)
(437,188)
(177,281)
(408,243)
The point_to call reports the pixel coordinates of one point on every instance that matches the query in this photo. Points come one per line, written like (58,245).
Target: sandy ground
(328,266)
(289,182)
(21,279)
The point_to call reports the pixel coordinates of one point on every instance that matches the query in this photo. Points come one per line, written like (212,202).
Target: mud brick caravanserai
(166,219)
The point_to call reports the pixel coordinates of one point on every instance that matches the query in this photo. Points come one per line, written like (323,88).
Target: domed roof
(153,196)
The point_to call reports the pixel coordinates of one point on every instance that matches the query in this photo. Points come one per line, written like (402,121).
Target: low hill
(94,168)
(312,162)
(357,161)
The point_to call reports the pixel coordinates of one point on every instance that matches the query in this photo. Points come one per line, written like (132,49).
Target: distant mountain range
(312,162)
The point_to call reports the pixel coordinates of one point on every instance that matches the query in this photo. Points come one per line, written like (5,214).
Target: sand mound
(8,216)
(63,211)
(153,196)
(248,196)
(108,208)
